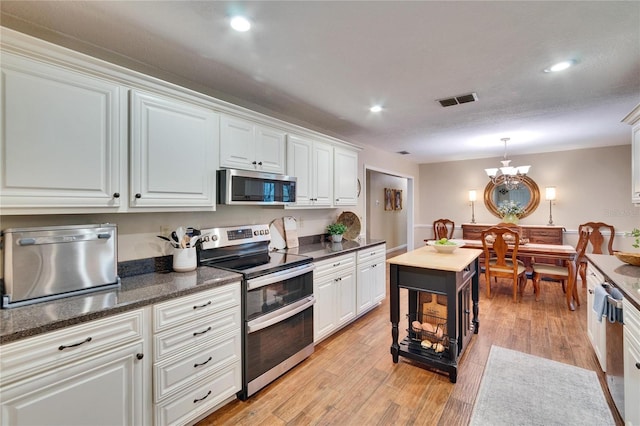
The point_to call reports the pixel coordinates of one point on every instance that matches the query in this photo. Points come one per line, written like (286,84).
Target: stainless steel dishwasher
(615,348)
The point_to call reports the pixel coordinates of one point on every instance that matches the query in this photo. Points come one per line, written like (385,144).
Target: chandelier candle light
(509,176)
(472,199)
(550,195)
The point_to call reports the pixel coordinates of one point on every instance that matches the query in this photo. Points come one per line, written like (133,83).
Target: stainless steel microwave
(255,188)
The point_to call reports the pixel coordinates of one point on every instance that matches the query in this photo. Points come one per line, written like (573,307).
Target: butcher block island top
(427,257)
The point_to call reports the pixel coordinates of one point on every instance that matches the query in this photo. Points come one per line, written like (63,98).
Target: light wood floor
(352,380)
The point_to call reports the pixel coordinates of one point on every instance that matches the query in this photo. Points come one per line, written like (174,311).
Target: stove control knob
(266,232)
(214,238)
(256,233)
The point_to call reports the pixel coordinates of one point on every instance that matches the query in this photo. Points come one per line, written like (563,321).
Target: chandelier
(507,175)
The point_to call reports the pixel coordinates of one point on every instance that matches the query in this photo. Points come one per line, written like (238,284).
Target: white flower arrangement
(510,207)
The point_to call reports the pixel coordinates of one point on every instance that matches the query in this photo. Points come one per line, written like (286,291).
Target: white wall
(388,225)
(137,231)
(591,185)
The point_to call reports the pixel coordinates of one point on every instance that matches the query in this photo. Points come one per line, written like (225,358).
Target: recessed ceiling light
(375,108)
(240,23)
(560,66)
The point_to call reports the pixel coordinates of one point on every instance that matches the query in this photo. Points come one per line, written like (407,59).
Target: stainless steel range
(277,304)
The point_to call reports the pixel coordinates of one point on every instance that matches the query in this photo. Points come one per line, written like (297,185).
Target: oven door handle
(280,315)
(279,276)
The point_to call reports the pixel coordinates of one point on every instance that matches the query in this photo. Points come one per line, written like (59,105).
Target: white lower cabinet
(595,328)
(631,338)
(197,354)
(334,287)
(85,375)
(371,278)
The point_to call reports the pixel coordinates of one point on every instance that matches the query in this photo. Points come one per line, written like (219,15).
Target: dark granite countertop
(326,249)
(626,277)
(134,292)
(138,291)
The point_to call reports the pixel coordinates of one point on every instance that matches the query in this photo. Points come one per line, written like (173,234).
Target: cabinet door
(100,390)
(366,280)
(635,164)
(322,168)
(61,138)
(631,379)
(237,143)
(270,147)
(345,177)
(595,329)
(299,159)
(324,311)
(346,296)
(173,159)
(379,290)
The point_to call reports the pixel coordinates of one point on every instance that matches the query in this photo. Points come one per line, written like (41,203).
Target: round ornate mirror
(527,194)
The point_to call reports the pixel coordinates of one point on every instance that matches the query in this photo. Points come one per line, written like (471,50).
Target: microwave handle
(280,315)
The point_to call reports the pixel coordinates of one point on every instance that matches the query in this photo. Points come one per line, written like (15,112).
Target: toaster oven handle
(63,239)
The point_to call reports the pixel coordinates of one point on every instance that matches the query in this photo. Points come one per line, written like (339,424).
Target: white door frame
(409,204)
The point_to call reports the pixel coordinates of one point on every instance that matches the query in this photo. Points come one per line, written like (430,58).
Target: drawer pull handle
(201,364)
(590,291)
(63,347)
(196,333)
(202,306)
(195,401)
(336,264)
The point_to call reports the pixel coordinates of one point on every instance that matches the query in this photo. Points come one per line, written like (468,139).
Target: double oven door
(278,325)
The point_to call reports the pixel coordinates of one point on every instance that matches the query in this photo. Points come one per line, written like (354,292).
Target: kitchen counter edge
(625,277)
(325,250)
(134,292)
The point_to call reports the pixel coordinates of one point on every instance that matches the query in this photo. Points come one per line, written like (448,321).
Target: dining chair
(443,228)
(561,273)
(500,246)
(600,244)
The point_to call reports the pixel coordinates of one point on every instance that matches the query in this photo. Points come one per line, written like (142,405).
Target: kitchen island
(452,276)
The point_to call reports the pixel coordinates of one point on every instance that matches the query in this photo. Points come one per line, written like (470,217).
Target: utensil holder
(184,260)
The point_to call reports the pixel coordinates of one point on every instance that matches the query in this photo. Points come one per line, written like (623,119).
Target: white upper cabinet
(345,177)
(311,162)
(172,153)
(633,118)
(62,138)
(249,146)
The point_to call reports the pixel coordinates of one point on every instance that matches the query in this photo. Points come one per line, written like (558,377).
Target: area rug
(522,389)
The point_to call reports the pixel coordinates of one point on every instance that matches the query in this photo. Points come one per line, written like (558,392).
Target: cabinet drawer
(188,308)
(179,372)
(377,251)
(334,264)
(200,398)
(196,332)
(30,356)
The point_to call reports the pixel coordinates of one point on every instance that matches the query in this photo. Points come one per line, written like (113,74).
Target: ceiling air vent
(403,152)
(461,99)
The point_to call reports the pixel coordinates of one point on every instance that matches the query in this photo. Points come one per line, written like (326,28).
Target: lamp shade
(472,195)
(550,193)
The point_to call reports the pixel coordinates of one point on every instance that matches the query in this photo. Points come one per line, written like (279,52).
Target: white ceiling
(322,64)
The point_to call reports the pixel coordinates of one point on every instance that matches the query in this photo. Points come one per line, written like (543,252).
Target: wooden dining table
(564,253)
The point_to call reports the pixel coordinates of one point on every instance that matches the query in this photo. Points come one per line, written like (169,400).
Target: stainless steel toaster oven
(47,263)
